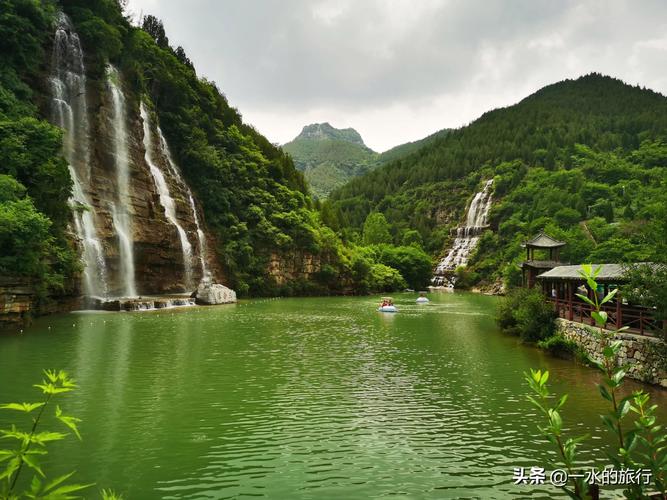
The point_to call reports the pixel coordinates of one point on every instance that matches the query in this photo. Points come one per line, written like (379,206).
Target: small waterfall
(467,238)
(69,111)
(205,273)
(120,211)
(201,237)
(166,200)
(94,274)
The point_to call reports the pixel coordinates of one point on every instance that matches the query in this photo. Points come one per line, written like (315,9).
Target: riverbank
(20,303)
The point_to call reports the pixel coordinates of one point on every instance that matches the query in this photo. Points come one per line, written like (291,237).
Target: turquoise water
(300,398)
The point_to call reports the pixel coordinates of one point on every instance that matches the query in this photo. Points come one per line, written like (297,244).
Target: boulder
(214,293)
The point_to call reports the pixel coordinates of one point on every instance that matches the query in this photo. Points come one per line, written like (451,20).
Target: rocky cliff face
(19,300)
(138,227)
(158,254)
(324,131)
(294,267)
(16,300)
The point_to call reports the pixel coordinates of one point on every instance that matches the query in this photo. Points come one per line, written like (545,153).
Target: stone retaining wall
(645,357)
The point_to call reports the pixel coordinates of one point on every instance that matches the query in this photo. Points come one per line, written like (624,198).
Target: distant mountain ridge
(330,157)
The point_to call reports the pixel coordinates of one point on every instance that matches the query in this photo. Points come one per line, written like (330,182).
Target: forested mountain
(126,100)
(402,150)
(254,200)
(329,157)
(583,159)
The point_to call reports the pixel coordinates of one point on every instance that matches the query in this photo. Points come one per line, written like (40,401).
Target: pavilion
(548,249)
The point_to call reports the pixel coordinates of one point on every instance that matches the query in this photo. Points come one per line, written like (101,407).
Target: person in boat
(385,303)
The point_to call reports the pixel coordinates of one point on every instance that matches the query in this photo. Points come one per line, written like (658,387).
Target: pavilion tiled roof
(608,272)
(543,240)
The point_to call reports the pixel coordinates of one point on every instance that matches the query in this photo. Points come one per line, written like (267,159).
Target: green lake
(301,398)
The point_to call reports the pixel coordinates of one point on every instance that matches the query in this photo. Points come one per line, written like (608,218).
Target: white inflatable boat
(387,309)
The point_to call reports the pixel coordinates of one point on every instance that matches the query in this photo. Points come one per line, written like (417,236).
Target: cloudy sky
(398,70)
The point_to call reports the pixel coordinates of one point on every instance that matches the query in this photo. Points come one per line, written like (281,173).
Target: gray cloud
(397,70)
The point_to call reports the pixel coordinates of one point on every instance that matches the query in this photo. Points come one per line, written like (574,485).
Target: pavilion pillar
(619,311)
(570,311)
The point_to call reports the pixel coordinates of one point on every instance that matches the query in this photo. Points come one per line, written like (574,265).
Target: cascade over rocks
(138,226)
(69,111)
(467,238)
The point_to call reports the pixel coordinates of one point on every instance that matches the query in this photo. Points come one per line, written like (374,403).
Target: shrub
(525,313)
(25,243)
(512,276)
(465,277)
(561,347)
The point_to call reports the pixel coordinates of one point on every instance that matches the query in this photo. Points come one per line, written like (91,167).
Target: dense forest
(255,202)
(584,160)
(34,180)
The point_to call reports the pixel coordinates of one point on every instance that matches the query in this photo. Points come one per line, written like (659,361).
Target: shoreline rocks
(213,294)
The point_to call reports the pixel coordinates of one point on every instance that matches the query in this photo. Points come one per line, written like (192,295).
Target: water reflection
(303,398)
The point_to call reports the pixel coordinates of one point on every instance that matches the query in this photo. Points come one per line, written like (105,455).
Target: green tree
(412,262)
(411,237)
(385,278)
(376,229)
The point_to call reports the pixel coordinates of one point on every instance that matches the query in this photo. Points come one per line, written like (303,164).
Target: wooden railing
(637,319)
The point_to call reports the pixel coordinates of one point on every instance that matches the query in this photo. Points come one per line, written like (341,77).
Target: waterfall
(201,237)
(467,237)
(69,111)
(166,200)
(120,211)
(205,273)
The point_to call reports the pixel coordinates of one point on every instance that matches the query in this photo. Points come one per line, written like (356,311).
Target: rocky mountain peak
(325,131)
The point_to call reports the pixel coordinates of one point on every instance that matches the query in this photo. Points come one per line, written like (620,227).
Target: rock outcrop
(16,300)
(19,302)
(213,293)
(294,267)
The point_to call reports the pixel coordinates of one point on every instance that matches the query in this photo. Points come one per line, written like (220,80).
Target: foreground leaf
(25,407)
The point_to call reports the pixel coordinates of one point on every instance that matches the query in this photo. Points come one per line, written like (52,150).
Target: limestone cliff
(157,250)
(135,219)
(297,266)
